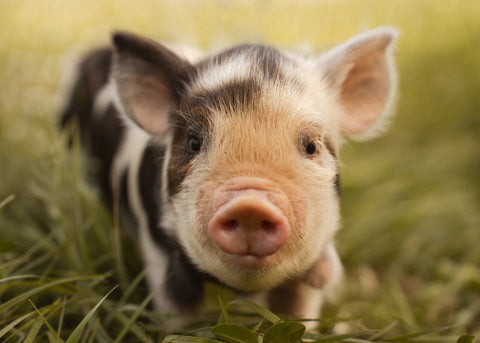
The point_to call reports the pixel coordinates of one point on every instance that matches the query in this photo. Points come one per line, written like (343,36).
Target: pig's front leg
(303,297)
(178,286)
(326,271)
(296,298)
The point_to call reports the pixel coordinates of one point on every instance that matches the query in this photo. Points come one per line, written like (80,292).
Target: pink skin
(249,223)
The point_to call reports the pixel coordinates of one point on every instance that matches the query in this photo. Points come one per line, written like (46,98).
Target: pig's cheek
(297,212)
(300,213)
(203,210)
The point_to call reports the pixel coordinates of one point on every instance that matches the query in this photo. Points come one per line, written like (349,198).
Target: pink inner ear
(149,100)
(364,93)
(152,117)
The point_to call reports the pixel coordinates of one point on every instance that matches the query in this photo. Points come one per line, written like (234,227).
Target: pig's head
(253,137)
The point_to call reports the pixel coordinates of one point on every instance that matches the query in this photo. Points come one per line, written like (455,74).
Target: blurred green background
(411,199)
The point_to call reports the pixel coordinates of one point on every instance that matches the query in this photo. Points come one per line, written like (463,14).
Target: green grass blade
(78,330)
(135,315)
(33,333)
(14,323)
(133,285)
(187,339)
(465,339)
(284,332)
(45,321)
(257,327)
(18,277)
(49,310)
(24,296)
(339,338)
(51,338)
(382,332)
(234,333)
(8,267)
(5,201)
(414,335)
(224,313)
(61,317)
(133,328)
(271,317)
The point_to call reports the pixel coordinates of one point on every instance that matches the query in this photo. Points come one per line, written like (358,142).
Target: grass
(411,199)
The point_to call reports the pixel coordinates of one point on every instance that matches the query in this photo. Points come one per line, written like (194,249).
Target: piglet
(225,167)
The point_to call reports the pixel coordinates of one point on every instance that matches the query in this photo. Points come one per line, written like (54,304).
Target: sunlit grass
(411,199)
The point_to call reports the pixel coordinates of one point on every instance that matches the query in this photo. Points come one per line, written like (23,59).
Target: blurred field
(411,199)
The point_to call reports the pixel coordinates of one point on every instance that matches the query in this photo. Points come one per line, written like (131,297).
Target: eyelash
(311,147)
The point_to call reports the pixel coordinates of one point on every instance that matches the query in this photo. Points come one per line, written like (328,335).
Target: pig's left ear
(362,74)
(147,77)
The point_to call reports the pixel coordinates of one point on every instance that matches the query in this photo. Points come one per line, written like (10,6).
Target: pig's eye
(194,144)
(311,148)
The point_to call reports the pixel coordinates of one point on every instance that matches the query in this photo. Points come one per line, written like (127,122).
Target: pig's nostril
(231,224)
(268,226)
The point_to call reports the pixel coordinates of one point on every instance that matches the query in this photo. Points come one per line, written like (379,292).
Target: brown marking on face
(190,118)
(234,97)
(178,170)
(195,115)
(181,158)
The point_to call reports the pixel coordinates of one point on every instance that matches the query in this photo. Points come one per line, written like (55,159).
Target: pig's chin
(251,273)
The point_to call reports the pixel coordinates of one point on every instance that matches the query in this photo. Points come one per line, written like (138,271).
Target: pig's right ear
(361,73)
(147,77)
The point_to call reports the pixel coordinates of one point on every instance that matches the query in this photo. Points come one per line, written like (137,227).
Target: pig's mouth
(249,261)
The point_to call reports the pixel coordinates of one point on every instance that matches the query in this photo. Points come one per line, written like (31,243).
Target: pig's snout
(249,221)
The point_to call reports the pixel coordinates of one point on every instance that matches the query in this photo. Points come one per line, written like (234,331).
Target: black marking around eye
(338,188)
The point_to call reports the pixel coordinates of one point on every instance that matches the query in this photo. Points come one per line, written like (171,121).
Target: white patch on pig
(168,221)
(103,100)
(236,69)
(156,261)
